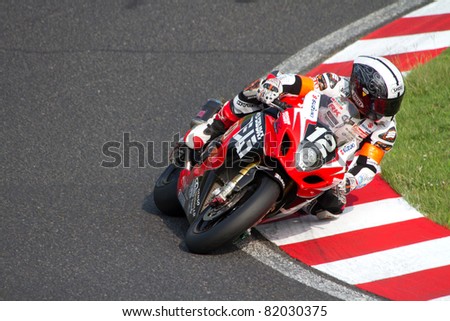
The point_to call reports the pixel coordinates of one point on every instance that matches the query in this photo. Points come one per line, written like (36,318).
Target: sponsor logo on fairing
(258,127)
(286,119)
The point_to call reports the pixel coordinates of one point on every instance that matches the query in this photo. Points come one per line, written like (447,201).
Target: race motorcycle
(268,165)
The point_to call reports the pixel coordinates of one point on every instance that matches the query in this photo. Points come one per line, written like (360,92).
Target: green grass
(418,167)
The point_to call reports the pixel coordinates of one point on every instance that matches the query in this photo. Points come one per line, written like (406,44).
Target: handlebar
(280,105)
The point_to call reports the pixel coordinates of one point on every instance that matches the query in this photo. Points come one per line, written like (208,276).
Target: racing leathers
(340,115)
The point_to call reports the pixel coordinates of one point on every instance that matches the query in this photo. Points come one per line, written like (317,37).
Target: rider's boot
(329,205)
(325,215)
(198,136)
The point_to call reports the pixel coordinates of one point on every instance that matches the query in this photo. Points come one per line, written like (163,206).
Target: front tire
(206,234)
(165,192)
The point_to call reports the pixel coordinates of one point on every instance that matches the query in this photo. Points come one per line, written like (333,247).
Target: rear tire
(204,236)
(165,192)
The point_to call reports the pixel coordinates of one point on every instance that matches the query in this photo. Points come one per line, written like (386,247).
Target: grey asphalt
(78,74)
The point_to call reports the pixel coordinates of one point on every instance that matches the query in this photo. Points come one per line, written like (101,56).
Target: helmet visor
(372,107)
(385,107)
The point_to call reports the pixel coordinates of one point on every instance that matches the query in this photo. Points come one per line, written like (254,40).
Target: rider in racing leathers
(376,89)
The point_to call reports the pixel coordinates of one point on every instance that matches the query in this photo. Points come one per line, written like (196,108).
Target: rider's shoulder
(385,130)
(285,78)
(387,121)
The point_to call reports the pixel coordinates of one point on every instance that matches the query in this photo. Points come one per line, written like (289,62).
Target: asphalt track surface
(76,75)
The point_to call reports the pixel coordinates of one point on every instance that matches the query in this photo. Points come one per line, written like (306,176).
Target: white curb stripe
(354,218)
(444,298)
(438,7)
(390,263)
(393,46)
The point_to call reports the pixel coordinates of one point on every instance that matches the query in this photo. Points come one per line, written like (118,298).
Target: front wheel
(165,192)
(217,226)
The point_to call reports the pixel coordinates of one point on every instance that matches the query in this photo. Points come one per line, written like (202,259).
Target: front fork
(221,194)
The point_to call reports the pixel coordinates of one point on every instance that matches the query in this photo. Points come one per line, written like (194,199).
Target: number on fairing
(323,140)
(249,135)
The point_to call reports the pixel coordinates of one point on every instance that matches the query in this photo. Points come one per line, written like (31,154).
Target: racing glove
(331,84)
(269,90)
(348,184)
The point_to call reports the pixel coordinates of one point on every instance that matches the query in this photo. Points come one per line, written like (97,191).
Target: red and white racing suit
(375,138)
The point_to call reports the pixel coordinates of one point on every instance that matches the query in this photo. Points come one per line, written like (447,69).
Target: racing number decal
(324,140)
(249,135)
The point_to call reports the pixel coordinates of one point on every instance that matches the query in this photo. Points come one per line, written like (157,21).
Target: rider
(375,90)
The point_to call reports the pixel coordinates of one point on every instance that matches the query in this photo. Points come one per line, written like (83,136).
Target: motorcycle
(268,165)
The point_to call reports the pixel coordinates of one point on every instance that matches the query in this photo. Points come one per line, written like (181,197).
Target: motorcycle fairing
(294,126)
(243,142)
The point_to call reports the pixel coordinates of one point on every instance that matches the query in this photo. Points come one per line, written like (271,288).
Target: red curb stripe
(412,25)
(419,286)
(410,60)
(340,68)
(351,244)
(377,190)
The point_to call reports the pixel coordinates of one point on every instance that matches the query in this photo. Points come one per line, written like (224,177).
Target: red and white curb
(413,39)
(380,243)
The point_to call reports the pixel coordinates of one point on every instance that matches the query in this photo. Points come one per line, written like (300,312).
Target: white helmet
(376,87)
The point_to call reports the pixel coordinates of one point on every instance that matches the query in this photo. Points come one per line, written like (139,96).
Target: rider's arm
(331,84)
(247,102)
(367,164)
(296,84)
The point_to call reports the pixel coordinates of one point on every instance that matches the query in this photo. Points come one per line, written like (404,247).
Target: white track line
(295,271)
(300,62)
(325,47)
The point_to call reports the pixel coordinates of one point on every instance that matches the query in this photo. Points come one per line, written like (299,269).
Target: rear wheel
(218,225)
(165,192)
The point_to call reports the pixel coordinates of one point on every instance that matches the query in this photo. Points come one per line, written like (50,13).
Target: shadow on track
(179,226)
